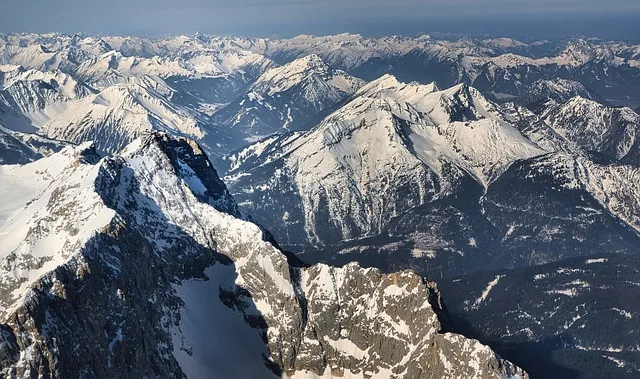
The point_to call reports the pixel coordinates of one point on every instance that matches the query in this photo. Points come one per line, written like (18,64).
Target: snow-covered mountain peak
(577,52)
(191,164)
(38,231)
(63,83)
(389,85)
(457,124)
(583,103)
(375,114)
(458,103)
(558,89)
(29,98)
(385,81)
(33,56)
(84,152)
(504,43)
(119,96)
(589,108)
(291,97)
(311,61)
(52,207)
(118,114)
(197,36)
(283,78)
(389,136)
(113,66)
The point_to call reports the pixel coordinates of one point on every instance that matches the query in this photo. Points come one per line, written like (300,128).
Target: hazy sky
(289,17)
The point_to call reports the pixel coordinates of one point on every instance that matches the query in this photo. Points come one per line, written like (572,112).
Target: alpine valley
(318,207)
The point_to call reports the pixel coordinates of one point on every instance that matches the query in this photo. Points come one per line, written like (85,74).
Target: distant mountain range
(506,171)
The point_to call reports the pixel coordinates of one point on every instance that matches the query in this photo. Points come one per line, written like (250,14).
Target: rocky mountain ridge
(155,234)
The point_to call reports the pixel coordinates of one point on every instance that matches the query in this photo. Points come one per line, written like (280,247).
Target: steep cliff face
(141,265)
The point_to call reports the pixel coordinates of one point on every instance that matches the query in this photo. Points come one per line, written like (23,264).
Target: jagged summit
(389,86)
(429,120)
(282,78)
(28,98)
(196,288)
(141,264)
(558,89)
(457,103)
(577,52)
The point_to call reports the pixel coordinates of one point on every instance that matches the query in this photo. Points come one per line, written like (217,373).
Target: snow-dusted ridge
(503,67)
(21,148)
(118,114)
(204,74)
(437,177)
(150,250)
(28,98)
(614,132)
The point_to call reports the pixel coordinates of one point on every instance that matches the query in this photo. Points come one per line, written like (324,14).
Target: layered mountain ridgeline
(221,95)
(79,90)
(613,132)
(56,106)
(503,68)
(140,265)
(557,90)
(29,97)
(406,175)
(575,318)
(533,164)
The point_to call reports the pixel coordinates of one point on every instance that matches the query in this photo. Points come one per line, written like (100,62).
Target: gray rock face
(149,271)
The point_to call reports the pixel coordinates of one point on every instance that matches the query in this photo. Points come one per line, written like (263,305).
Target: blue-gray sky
(290,17)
